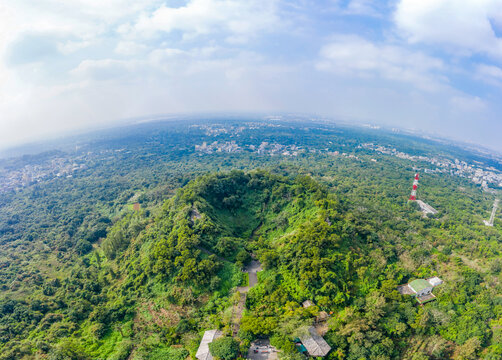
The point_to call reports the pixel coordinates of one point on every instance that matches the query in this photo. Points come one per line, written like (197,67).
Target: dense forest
(85,274)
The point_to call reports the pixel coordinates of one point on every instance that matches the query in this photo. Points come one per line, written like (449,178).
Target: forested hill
(164,277)
(138,251)
(157,280)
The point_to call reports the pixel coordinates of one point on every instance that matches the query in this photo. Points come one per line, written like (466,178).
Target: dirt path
(237,314)
(252,270)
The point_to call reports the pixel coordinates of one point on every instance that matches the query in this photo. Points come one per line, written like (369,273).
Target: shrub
(225,348)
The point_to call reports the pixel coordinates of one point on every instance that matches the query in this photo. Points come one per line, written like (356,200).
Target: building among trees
(307,303)
(421,289)
(315,344)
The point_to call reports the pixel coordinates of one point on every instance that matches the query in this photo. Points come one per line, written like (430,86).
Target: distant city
(66,165)
(475,172)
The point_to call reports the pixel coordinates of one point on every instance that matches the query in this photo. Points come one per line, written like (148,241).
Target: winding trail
(252,270)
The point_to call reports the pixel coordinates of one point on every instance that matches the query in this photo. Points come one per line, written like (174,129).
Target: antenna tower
(413,195)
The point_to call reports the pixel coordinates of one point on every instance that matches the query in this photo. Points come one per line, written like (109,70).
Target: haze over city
(430,65)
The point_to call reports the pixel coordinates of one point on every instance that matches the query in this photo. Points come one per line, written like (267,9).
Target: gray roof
(435,281)
(307,303)
(315,344)
(203,351)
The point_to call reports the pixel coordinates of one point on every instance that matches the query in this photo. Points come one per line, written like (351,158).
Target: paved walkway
(252,270)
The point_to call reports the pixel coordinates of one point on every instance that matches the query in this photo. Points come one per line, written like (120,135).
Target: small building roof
(419,285)
(203,351)
(426,298)
(323,316)
(405,290)
(435,281)
(315,344)
(307,303)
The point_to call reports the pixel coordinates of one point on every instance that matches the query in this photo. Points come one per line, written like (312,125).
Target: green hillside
(86,275)
(161,277)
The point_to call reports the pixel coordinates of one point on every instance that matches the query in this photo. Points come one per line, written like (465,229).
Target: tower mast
(413,195)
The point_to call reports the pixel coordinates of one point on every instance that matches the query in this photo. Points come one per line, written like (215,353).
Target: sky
(428,65)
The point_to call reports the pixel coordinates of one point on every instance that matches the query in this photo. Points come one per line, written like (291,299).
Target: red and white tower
(413,195)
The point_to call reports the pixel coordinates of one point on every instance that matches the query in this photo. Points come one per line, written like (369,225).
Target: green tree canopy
(225,348)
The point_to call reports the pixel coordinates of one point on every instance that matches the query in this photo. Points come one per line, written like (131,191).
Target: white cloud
(130,48)
(84,62)
(464,103)
(364,7)
(239,20)
(490,70)
(489,73)
(228,65)
(81,22)
(463,27)
(104,69)
(69,46)
(351,55)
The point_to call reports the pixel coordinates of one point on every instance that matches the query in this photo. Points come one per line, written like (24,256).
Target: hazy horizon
(57,140)
(431,65)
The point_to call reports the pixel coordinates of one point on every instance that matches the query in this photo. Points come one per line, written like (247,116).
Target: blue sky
(431,65)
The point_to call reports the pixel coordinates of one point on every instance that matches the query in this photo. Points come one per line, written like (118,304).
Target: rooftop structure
(435,281)
(426,298)
(315,344)
(307,303)
(203,351)
(421,289)
(420,286)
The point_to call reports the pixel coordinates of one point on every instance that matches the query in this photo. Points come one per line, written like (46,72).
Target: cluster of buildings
(343,154)
(35,173)
(264,148)
(220,129)
(217,147)
(476,172)
(276,149)
(309,343)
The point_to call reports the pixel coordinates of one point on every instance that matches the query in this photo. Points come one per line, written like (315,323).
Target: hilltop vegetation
(166,261)
(158,280)
(84,276)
